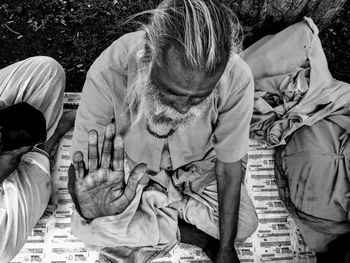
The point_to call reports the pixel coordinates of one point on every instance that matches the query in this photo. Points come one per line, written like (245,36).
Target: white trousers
(24,195)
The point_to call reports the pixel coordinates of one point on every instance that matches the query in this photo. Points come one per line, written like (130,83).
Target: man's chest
(185,145)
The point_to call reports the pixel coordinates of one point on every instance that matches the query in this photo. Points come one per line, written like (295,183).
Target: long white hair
(204,32)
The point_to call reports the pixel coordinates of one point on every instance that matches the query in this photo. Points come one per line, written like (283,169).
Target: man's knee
(49,65)
(50,77)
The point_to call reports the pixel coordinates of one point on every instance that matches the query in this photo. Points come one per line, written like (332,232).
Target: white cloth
(24,195)
(293,85)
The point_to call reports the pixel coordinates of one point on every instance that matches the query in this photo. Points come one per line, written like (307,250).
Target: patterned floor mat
(277,239)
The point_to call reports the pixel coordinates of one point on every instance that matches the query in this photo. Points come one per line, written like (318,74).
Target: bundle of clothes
(305,113)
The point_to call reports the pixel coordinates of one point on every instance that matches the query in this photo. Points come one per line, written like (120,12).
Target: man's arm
(25,188)
(229,177)
(23,198)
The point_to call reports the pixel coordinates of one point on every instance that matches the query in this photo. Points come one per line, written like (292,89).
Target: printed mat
(277,238)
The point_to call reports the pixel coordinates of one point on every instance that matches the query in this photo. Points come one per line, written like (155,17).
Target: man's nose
(182,105)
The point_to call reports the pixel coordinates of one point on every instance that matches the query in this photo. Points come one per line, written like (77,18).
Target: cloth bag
(313,177)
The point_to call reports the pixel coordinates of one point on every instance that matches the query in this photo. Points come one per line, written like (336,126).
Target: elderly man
(182,101)
(31,106)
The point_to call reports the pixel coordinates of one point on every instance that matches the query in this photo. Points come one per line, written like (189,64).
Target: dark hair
(21,125)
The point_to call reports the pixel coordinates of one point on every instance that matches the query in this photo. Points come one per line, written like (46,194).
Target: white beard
(162,118)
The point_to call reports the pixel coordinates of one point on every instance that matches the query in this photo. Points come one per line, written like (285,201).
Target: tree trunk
(263,17)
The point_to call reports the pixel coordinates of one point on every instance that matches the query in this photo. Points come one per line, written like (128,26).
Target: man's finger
(107,146)
(121,202)
(135,177)
(93,150)
(118,154)
(78,163)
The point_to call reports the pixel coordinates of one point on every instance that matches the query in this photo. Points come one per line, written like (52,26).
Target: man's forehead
(174,71)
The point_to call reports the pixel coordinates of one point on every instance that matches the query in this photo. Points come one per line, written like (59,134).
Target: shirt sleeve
(236,103)
(95,112)
(102,96)
(23,198)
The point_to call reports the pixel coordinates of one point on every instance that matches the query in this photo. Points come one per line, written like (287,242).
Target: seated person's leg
(40,82)
(25,191)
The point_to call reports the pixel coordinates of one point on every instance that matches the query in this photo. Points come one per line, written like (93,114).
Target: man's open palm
(101,191)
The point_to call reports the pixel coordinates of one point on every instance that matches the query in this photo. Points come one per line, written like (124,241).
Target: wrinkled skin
(101,190)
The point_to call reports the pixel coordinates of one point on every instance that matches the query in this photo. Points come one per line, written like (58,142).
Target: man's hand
(101,191)
(9,161)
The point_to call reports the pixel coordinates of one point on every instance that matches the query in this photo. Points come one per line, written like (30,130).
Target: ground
(75,32)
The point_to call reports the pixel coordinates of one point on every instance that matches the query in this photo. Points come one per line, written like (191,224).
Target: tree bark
(263,17)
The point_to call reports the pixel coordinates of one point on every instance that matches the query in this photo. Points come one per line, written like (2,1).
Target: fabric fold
(293,85)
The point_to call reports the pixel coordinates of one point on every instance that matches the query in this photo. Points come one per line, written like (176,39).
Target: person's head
(21,125)
(188,45)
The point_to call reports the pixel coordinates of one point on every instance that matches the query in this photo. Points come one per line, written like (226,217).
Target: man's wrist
(229,255)
(77,208)
(39,149)
(226,247)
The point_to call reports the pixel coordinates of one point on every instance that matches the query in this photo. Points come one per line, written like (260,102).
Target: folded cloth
(293,85)
(148,228)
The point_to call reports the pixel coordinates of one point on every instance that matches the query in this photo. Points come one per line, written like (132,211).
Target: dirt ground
(76,32)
